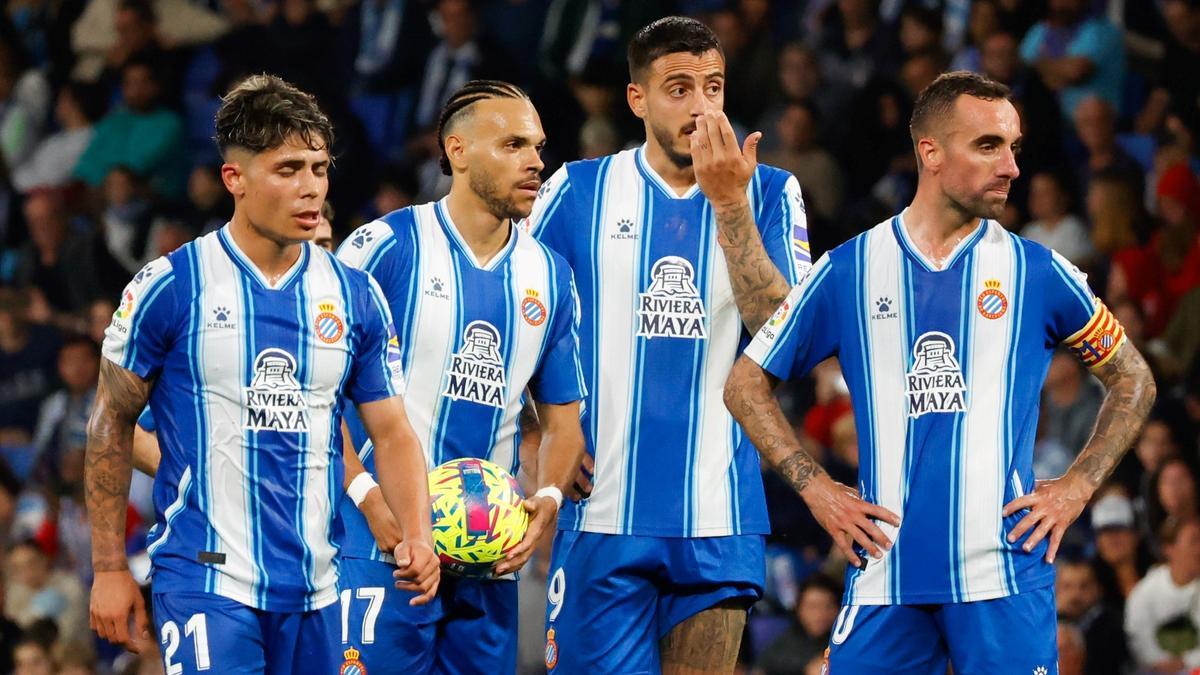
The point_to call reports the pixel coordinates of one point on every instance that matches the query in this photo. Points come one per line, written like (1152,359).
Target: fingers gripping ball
(477,515)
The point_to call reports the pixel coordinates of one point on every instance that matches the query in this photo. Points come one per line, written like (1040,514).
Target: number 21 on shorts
(196,628)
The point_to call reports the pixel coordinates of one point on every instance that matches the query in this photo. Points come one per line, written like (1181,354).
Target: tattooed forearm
(120,397)
(1131,393)
(749,397)
(758,285)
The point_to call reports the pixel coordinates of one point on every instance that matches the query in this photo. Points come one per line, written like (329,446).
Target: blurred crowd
(106,161)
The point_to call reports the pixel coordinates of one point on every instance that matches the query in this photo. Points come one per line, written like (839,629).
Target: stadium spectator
(1072,650)
(1177,89)
(98,35)
(28,355)
(136,26)
(323,235)
(52,162)
(749,65)
(396,189)
(31,657)
(1173,493)
(598,137)
(1076,55)
(855,47)
(127,218)
(808,635)
(1163,612)
(1178,345)
(384,43)
(10,632)
(37,590)
(1070,401)
(62,420)
(801,153)
(1095,122)
(98,315)
(1079,598)
(24,103)
(209,204)
(920,30)
(984,20)
(460,56)
(1054,225)
(1040,147)
(54,260)
(140,134)
(579,34)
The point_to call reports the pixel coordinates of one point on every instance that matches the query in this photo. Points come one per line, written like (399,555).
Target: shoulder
(372,239)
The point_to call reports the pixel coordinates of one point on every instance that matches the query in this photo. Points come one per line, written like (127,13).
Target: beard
(980,205)
(666,141)
(499,204)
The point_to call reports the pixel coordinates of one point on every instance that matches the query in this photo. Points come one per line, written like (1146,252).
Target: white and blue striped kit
(659,332)
(249,384)
(945,367)
(473,337)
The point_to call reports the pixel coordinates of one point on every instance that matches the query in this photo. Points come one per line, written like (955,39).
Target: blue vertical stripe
(639,362)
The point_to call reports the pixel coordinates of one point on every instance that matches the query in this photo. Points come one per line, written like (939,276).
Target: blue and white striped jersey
(472,337)
(659,332)
(945,369)
(248,396)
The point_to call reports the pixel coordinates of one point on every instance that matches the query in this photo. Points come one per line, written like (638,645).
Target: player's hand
(418,570)
(723,170)
(848,519)
(379,517)
(582,487)
(1053,506)
(542,514)
(116,599)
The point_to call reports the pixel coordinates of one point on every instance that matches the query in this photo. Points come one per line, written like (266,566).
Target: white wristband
(360,486)
(553,493)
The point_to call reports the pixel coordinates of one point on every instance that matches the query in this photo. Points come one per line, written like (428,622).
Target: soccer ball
(477,515)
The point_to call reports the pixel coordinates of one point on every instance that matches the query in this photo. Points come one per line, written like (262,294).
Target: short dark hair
(668,35)
(143,9)
(80,340)
(937,100)
(819,581)
(1171,528)
(262,111)
(459,107)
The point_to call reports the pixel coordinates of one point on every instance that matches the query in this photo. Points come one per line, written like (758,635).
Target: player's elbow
(740,378)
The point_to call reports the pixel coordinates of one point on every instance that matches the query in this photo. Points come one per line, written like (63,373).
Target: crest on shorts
(352,666)
(551,650)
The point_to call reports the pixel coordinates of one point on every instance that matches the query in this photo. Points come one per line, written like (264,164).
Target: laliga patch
(352,666)
(992,303)
(551,650)
(1097,341)
(328,325)
(532,309)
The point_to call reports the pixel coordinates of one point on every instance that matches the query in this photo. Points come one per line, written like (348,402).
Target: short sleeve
(803,331)
(1096,42)
(146,322)
(785,235)
(548,220)
(559,377)
(375,249)
(146,420)
(1076,318)
(376,372)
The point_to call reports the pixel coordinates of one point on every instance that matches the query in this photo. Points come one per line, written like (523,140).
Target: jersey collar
(651,176)
(456,240)
(911,249)
(251,270)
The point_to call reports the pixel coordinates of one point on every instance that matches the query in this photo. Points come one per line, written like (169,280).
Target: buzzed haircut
(668,35)
(263,111)
(937,100)
(459,108)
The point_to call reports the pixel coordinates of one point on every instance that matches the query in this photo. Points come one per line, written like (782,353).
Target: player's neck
(273,258)
(678,178)
(936,226)
(484,233)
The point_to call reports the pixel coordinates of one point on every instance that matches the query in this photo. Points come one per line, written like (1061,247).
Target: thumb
(750,147)
(531,505)
(402,554)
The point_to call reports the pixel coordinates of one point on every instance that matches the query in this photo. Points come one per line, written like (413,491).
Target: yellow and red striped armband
(1097,341)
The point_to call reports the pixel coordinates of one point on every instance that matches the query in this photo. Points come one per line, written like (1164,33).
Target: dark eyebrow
(988,139)
(292,163)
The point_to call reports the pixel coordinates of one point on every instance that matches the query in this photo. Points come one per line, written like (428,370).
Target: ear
(929,153)
(456,151)
(636,97)
(233,178)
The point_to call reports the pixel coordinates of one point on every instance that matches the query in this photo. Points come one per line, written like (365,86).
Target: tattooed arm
(1055,504)
(120,397)
(837,507)
(758,285)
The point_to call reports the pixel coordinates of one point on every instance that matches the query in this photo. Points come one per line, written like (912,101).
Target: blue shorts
(1015,634)
(611,598)
(206,632)
(470,628)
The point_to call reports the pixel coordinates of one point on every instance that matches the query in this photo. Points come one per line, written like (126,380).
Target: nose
(535,163)
(700,103)
(310,184)
(1008,165)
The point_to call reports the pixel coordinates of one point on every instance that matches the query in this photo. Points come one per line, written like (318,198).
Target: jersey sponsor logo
(884,309)
(671,306)
(992,303)
(274,400)
(352,666)
(934,383)
(532,309)
(436,289)
(477,371)
(626,230)
(222,317)
(328,324)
